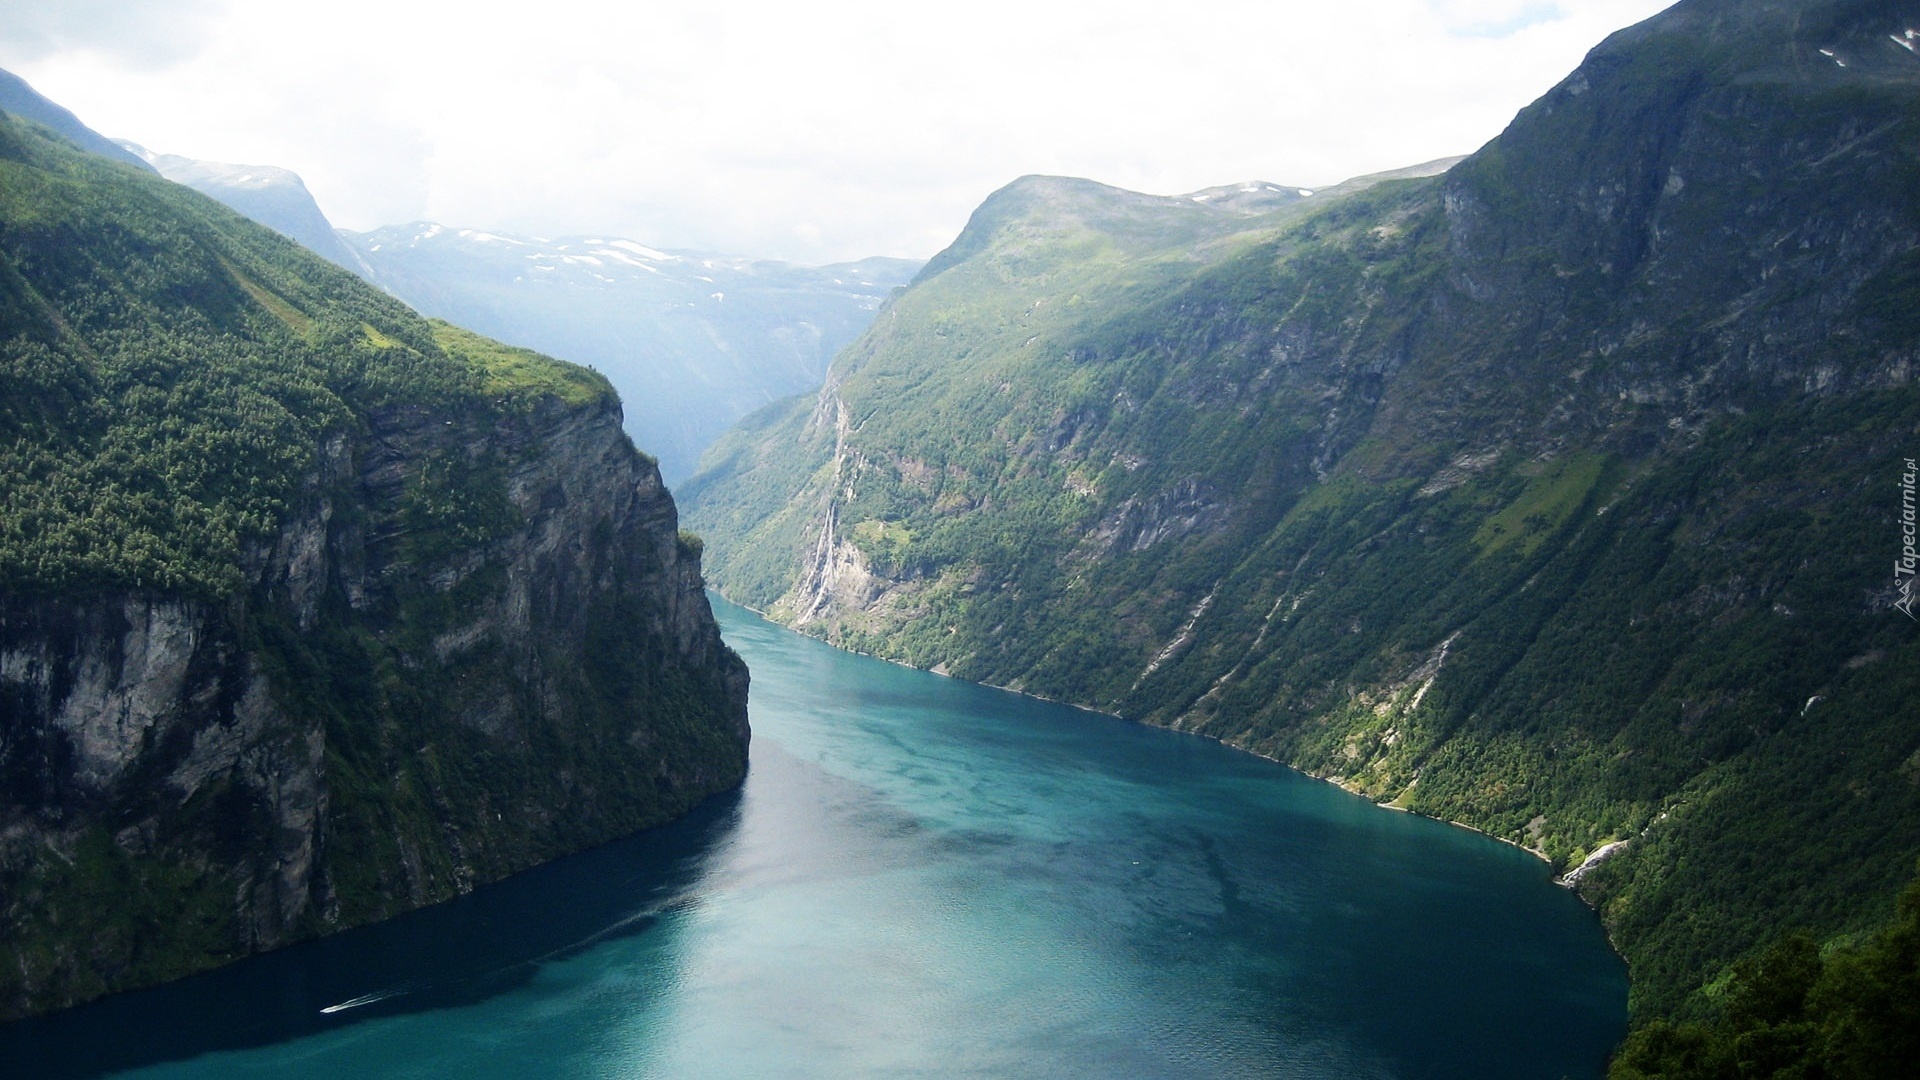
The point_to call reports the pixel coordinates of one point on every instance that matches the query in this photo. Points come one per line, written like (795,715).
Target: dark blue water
(927,878)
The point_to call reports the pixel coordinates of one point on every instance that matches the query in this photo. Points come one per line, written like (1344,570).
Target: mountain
(1559,493)
(270,195)
(22,100)
(312,611)
(691,341)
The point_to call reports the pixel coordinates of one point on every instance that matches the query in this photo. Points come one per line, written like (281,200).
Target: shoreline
(1559,879)
(988,685)
(1535,852)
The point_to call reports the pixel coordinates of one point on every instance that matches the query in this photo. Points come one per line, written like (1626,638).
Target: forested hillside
(1559,494)
(311,611)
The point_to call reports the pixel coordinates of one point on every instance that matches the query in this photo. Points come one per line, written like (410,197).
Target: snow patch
(1304,192)
(489,238)
(719,296)
(1904,42)
(627,260)
(642,250)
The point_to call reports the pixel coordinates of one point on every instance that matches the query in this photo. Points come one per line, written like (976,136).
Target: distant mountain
(692,341)
(1560,493)
(270,195)
(24,101)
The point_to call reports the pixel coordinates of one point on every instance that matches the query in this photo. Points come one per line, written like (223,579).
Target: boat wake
(434,988)
(363,999)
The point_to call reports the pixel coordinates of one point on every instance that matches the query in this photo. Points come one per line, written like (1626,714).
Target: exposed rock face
(1541,495)
(119,695)
(388,716)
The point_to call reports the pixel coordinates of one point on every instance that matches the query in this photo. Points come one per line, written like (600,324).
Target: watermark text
(1909,560)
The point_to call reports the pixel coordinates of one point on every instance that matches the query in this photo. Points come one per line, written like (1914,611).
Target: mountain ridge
(693,340)
(685,361)
(312,611)
(1538,494)
(22,100)
(273,196)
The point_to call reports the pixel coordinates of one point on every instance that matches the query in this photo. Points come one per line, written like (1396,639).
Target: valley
(1549,493)
(1562,490)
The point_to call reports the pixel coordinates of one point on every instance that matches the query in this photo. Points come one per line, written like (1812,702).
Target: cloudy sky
(810,131)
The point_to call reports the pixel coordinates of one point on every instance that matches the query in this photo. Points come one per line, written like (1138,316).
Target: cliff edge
(311,611)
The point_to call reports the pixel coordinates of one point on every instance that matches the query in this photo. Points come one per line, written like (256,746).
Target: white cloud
(1494,18)
(809,131)
(146,34)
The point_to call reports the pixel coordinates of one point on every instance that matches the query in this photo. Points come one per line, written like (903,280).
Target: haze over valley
(1528,450)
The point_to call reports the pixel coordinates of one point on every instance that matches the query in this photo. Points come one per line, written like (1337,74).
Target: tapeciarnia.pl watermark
(1904,566)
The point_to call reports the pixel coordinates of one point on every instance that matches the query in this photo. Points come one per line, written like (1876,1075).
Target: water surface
(927,878)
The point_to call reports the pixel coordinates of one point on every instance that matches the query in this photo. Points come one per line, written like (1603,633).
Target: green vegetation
(1561,514)
(519,376)
(167,369)
(320,488)
(1551,496)
(120,912)
(455,502)
(1796,1011)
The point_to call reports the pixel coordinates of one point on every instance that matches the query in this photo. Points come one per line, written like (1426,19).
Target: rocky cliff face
(311,612)
(1550,494)
(192,755)
(416,721)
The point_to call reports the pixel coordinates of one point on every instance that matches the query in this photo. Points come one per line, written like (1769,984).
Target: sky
(807,131)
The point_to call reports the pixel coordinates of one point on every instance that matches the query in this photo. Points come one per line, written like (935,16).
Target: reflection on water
(926,877)
(464,951)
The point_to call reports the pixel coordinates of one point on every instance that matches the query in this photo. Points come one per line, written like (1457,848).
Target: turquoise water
(927,878)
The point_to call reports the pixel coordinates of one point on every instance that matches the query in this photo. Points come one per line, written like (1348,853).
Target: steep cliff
(311,612)
(1557,494)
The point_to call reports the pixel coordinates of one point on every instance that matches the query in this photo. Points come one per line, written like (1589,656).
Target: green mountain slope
(311,611)
(1558,494)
